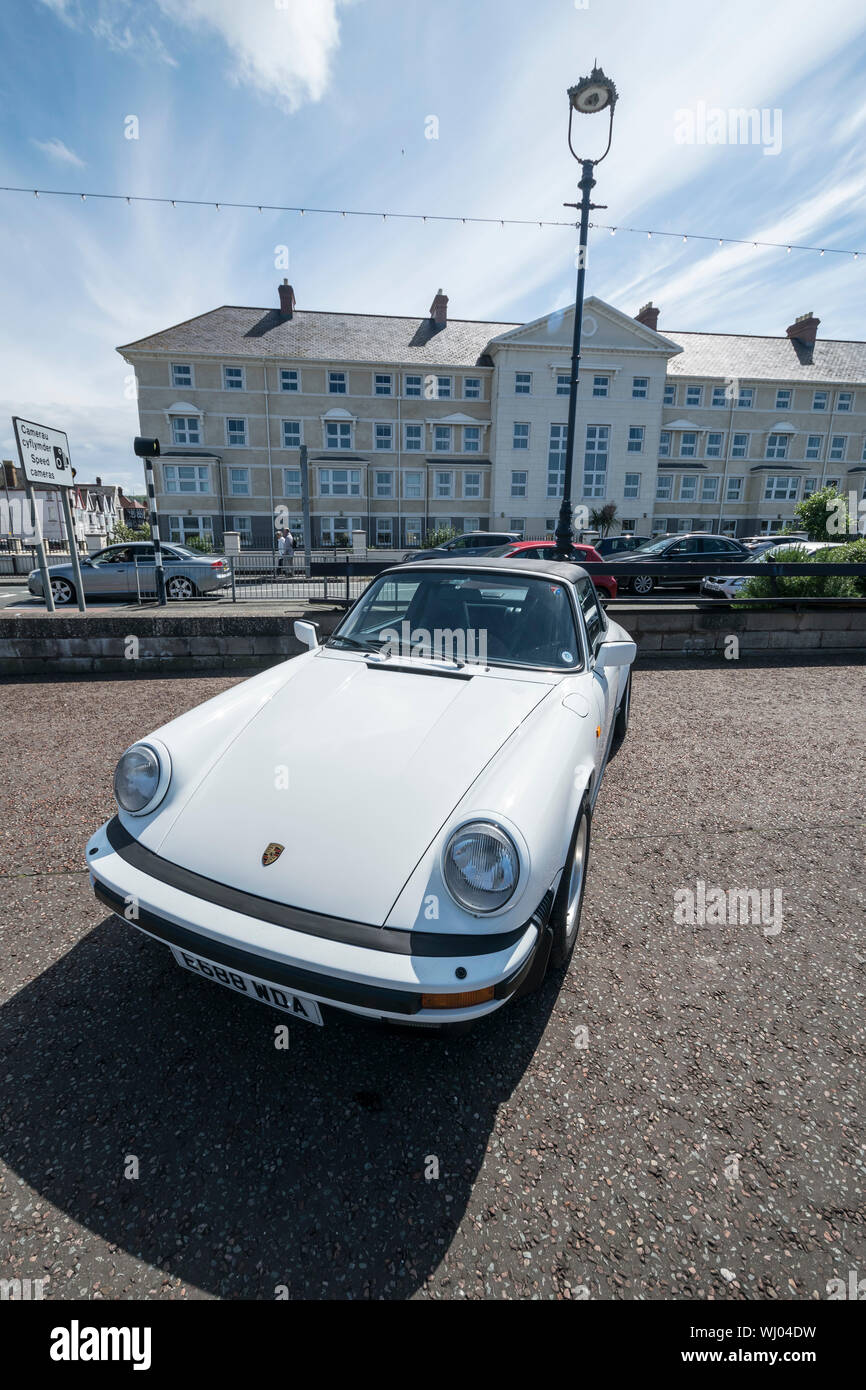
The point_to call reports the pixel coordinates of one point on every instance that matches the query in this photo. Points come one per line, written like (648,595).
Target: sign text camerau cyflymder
(44,453)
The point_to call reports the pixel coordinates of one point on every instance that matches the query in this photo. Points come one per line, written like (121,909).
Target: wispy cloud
(283,50)
(280,49)
(64,9)
(325,103)
(121,29)
(55,149)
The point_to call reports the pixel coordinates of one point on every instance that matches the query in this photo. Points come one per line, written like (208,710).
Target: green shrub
(807,585)
(201,543)
(439,537)
(854,553)
(122,533)
(825,516)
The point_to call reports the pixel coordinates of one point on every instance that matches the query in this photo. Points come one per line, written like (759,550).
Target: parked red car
(543,550)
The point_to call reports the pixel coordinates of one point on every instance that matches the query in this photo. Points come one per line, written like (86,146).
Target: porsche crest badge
(272,853)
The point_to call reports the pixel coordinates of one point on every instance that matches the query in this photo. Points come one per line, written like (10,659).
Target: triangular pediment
(604,328)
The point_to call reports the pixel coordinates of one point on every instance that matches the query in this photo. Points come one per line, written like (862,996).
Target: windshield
(775,552)
(651,547)
(463,616)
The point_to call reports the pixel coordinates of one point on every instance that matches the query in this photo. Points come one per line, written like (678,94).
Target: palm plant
(603,519)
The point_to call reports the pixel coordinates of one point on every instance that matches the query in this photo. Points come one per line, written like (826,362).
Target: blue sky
(325,103)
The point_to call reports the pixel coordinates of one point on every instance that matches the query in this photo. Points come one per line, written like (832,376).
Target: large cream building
(413,423)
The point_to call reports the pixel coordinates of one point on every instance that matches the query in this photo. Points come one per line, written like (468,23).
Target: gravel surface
(680,1117)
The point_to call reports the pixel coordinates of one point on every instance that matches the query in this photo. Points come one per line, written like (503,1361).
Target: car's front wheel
(642,584)
(565,917)
(62,591)
(179,587)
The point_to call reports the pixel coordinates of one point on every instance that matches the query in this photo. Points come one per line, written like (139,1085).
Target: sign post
(44,455)
(40,545)
(73,549)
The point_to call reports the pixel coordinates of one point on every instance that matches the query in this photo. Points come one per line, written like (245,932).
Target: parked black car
(618,545)
(470,543)
(690,545)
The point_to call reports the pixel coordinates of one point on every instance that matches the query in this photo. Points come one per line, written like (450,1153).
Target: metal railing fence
(341,577)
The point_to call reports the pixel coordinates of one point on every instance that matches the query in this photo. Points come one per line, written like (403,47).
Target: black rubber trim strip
(420,671)
(396,1001)
(402,943)
(307,982)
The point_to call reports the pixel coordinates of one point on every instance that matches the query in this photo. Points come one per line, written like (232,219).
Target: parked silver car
(128,571)
(729,585)
(470,543)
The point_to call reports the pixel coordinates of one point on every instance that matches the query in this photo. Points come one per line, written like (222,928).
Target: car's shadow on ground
(258,1167)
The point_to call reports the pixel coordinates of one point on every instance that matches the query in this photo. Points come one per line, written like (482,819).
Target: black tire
(62,591)
(620,728)
(179,587)
(565,917)
(646,583)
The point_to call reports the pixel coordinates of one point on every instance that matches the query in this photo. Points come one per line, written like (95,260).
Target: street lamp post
(148,449)
(593,93)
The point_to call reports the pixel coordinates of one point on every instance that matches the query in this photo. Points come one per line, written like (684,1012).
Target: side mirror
(615,654)
(308,634)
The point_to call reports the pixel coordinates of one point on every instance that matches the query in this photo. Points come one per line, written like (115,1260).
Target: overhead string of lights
(648,232)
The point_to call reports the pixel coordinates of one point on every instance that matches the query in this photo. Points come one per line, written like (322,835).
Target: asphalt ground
(680,1117)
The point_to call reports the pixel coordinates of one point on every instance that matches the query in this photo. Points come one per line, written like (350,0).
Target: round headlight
(481,866)
(137,778)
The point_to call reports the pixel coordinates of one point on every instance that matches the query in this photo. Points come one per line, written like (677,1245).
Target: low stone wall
(686,631)
(131,643)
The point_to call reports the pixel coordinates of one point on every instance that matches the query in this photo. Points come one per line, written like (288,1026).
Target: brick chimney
(287,300)
(649,317)
(439,309)
(804,330)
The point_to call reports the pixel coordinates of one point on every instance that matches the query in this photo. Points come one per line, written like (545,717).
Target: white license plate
(295,1004)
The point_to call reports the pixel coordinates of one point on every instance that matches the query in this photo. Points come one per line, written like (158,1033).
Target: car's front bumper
(366,970)
(719,588)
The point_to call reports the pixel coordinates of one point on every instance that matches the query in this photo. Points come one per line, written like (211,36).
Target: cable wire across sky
(219,204)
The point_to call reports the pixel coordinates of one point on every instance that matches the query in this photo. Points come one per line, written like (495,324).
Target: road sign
(44,453)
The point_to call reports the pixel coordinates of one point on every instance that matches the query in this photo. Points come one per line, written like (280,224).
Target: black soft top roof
(563,570)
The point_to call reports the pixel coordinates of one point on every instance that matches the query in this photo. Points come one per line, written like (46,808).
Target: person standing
(288,551)
(281,550)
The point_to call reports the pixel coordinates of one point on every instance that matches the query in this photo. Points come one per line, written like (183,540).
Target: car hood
(353,768)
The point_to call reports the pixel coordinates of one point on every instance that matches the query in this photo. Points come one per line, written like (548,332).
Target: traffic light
(146,448)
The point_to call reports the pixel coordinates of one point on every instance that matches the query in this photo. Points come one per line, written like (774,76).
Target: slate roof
(745,357)
(234,332)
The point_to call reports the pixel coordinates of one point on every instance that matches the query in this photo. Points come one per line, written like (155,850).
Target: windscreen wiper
(353,642)
(440,656)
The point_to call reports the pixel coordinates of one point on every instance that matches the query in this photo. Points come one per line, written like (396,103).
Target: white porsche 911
(395,823)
